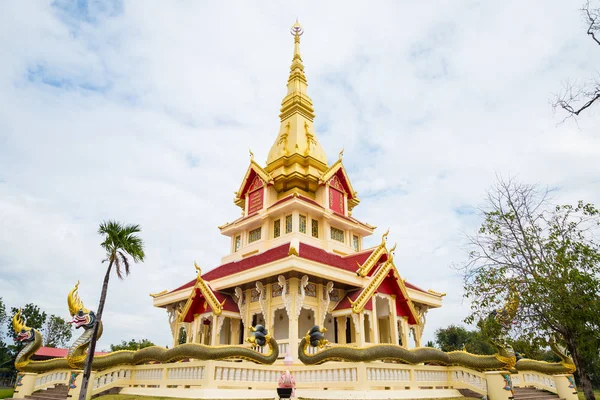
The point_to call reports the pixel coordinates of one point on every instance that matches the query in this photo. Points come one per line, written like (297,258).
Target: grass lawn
(136,397)
(6,393)
(582,397)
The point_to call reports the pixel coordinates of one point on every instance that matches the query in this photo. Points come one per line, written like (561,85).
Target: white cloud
(145,115)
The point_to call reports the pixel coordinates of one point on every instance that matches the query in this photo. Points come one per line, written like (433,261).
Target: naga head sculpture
(24,333)
(315,336)
(260,335)
(82,317)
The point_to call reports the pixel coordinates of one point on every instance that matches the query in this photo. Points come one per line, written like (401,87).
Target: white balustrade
(186,373)
(149,374)
(539,380)
(388,374)
(51,379)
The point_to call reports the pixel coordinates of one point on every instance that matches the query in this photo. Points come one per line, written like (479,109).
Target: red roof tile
(55,352)
(234,267)
(276,253)
(347,263)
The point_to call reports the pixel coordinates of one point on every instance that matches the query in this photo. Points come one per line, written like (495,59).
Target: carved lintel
(326,301)
(239,294)
(219,322)
(284,296)
(262,300)
(356,322)
(171,312)
(300,298)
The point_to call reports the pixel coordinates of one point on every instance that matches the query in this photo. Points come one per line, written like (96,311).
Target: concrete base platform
(317,394)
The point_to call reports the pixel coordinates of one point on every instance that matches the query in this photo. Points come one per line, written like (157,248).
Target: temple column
(195,330)
(393,320)
(235,331)
(359,319)
(375,321)
(215,327)
(404,331)
(341,329)
(293,331)
(248,315)
(418,332)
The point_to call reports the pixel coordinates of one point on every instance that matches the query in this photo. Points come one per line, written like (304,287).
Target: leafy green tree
(452,338)
(131,345)
(2,312)
(457,337)
(548,255)
(182,336)
(57,332)
(120,243)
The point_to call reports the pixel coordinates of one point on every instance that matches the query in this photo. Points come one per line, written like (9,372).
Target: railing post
(24,384)
(362,377)
(75,384)
(499,385)
(165,378)
(209,375)
(565,386)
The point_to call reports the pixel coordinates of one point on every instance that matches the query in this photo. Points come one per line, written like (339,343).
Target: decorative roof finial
(341,153)
(251,155)
(297,30)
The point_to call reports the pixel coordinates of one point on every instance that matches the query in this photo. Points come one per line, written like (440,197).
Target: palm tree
(120,243)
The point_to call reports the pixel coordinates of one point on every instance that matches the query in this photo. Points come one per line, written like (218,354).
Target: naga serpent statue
(86,319)
(565,366)
(505,359)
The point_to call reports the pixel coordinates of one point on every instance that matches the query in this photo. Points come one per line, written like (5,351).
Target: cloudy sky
(144,113)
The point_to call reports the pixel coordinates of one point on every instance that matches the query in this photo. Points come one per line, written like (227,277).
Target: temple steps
(59,392)
(530,393)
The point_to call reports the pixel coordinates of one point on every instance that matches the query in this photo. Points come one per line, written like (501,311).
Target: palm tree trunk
(92,348)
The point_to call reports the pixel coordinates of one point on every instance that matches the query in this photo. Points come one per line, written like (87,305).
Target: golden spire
(296,143)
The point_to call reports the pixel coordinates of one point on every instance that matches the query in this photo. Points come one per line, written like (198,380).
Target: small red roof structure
(47,353)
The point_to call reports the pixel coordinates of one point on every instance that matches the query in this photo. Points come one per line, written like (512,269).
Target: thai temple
(297,307)
(296,256)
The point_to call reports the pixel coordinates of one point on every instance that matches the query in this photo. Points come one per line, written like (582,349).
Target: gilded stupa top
(296,148)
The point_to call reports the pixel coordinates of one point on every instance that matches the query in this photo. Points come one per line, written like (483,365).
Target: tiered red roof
(200,305)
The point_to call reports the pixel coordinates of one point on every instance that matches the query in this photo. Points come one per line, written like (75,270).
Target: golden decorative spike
(197,269)
(384,236)
(74,302)
(391,251)
(341,154)
(18,323)
(251,156)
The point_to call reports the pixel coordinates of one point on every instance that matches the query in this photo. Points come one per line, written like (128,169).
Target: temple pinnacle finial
(297,30)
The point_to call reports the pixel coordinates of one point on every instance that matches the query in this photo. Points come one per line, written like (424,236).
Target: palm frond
(117,264)
(120,243)
(125,262)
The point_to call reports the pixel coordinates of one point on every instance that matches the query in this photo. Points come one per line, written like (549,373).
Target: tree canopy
(131,345)
(548,255)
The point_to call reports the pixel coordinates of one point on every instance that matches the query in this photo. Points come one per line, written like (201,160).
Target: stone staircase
(59,392)
(530,393)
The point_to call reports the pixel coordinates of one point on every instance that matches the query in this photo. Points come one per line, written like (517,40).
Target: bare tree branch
(575,99)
